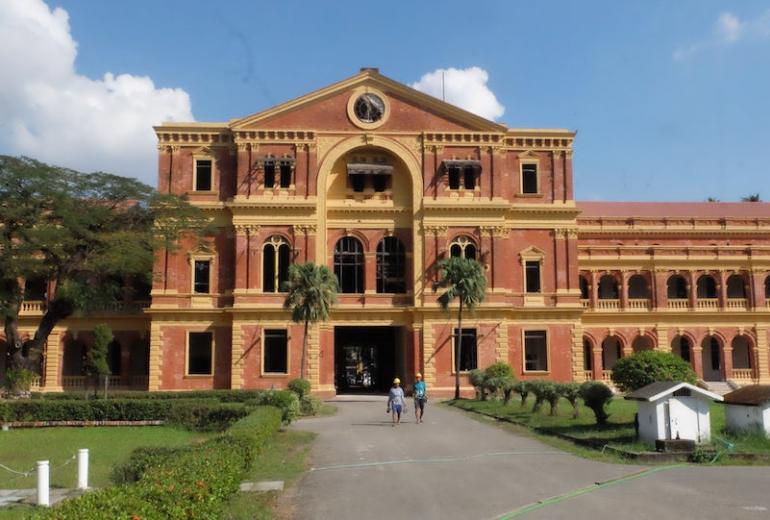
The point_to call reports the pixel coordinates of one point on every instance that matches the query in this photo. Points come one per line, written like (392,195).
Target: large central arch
(415,174)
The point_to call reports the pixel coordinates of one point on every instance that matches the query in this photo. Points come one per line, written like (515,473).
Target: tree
(752,197)
(462,279)
(498,377)
(83,233)
(648,366)
(312,290)
(96,364)
(571,392)
(596,396)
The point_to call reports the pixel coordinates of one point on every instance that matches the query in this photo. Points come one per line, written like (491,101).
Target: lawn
(20,448)
(619,430)
(284,457)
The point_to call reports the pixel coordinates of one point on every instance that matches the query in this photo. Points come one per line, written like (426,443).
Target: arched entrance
(612,350)
(712,359)
(742,359)
(682,347)
(642,343)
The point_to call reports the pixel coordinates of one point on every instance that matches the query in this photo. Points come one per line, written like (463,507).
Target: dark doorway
(365,358)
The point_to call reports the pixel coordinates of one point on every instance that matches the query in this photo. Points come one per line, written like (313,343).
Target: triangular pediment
(323,106)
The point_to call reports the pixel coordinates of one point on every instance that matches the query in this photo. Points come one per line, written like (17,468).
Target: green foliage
(571,392)
(498,378)
(522,388)
(309,405)
(141,459)
(498,370)
(82,230)
(301,387)
(205,416)
(538,388)
(311,290)
(477,378)
(460,279)
(19,380)
(191,483)
(551,394)
(96,364)
(752,197)
(642,368)
(225,396)
(284,400)
(596,396)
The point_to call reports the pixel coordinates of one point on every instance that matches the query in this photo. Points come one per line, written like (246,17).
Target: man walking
(419,398)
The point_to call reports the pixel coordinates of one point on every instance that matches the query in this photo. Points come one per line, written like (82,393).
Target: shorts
(419,402)
(397,409)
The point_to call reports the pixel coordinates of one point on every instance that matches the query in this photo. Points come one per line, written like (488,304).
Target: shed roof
(750,395)
(660,389)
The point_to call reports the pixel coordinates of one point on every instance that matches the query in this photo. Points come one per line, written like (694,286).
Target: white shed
(671,410)
(748,408)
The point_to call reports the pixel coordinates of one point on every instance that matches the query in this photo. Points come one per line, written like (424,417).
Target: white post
(83,469)
(42,483)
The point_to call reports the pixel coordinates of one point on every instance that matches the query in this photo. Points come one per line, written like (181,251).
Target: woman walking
(396,401)
(419,397)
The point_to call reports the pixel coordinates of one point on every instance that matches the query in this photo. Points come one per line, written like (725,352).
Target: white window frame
(187,353)
(527,160)
(204,157)
(547,350)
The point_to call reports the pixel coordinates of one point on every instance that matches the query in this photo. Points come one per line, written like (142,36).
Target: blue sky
(670,99)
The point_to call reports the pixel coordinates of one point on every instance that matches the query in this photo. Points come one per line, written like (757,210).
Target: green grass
(283,458)
(619,431)
(21,448)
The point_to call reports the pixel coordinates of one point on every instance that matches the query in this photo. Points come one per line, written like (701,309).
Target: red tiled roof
(751,395)
(674,209)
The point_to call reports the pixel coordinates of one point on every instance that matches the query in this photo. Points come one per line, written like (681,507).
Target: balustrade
(587,303)
(607,305)
(709,304)
(678,303)
(607,376)
(639,304)
(743,375)
(739,304)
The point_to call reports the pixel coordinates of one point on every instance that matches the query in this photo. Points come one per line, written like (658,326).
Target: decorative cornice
(496,231)
(306,229)
(242,229)
(436,230)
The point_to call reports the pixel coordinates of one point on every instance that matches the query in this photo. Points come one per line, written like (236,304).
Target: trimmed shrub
(141,459)
(301,387)
(309,405)
(552,395)
(225,396)
(205,416)
(571,392)
(284,400)
(498,377)
(18,380)
(538,387)
(477,379)
(596,396)
(191,483)
(641,369)
(523,389)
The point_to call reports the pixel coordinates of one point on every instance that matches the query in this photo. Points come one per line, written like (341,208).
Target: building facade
(379,182)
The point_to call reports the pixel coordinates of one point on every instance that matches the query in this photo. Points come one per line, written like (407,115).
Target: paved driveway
(452,466)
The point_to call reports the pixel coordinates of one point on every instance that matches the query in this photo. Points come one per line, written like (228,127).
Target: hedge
(196,414)
(192,483)
(229,396)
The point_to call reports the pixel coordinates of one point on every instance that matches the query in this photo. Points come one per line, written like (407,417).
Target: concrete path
(452,466)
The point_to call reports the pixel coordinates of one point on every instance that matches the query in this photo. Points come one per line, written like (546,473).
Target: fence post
(43,498)
(83,469)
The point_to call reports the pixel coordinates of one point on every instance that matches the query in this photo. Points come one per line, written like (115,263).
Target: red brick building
(378,182)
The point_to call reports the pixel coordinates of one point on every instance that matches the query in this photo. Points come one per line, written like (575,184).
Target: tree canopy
(82,232)
(642,368)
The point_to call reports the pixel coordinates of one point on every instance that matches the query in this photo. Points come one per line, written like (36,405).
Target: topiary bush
(641,369)
(523,389)
(284,400)
(571,392)
(476,377)
(309,405)
(497,378)
(597,396)
(301,387)
(552,395)
(539,389)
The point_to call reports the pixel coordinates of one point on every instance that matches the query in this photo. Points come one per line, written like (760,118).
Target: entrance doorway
(366,359)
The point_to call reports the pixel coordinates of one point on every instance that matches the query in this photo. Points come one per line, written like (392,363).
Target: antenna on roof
(443,95)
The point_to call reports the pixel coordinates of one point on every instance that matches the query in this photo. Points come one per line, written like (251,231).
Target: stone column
(53,363)
(722,290)
(757,281)
(697,359)
(236,357)
(558,176)
(624,276)
(299,170)
(661,288)
(762,355)
(594,288)
(241,257)
(693,286)
(370,272)
(255,244)
(596,362)
(727,361)
(156,356)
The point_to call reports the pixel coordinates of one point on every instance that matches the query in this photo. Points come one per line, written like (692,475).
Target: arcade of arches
(571,286)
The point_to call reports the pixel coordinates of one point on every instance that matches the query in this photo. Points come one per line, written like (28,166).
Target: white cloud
(728,30)
(50,112)
(466,88)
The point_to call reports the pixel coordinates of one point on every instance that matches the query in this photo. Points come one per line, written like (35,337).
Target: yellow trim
(200,257)
(187,354)
(275,241)
(200,156)
(288,353)
(525,161)
(524,370)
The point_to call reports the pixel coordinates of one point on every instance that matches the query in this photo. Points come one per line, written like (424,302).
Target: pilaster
(156,356)
(501,344)
(53,356)
(429,349)
(763,354)
(237,361)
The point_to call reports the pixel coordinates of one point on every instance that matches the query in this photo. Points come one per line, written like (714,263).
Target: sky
(669,99)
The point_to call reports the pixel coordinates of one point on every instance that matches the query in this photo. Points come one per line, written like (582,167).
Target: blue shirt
(419,389)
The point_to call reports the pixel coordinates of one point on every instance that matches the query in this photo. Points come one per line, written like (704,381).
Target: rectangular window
(269,174)
(202,276)
(200,361)
(285,174)
(203,175)
(468,352)
(276,351)
(532,269)
(454,177)
(535,351)
(529,178)
(469,177)
(358,182)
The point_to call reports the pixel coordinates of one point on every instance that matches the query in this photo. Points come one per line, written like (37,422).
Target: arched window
(608,288)
(638,288)
(276,257)
(349,265)
(463,247)
(391,266)
(642,343)
(741,353)
(677,287)
(680,346)
(736,286)
(707,287)
(588,356)
(612,350)
(584,292)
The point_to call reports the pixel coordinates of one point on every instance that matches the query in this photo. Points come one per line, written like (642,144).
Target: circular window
(369,108)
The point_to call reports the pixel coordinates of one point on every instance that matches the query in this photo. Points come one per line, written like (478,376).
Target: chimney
(370,69)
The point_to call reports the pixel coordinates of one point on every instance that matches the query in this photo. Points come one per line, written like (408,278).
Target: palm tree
(464,279)
(312,290)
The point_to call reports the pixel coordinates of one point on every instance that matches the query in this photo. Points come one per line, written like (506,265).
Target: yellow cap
(418,374)
(396,381)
